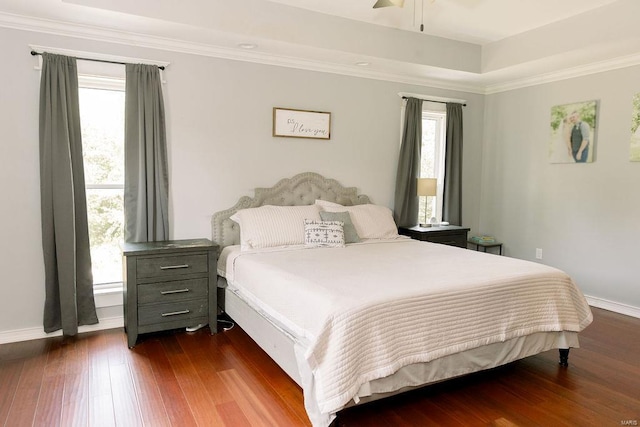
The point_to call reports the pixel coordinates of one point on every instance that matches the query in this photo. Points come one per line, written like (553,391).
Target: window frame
(110,293)
(439,114)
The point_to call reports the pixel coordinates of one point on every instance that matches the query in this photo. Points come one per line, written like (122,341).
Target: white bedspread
(366,310)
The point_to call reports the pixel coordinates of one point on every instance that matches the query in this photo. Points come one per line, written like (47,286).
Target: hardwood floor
(185,379)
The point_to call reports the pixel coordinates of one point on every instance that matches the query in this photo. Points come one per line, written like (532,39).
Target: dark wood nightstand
(169,285)
(452,235)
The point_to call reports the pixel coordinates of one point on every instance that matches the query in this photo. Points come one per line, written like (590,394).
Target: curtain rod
(431,100)
(34,53)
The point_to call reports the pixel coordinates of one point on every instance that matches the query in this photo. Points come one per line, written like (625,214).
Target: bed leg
(564,357)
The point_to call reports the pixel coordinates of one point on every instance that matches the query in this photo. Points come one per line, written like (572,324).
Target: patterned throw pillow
(323,233)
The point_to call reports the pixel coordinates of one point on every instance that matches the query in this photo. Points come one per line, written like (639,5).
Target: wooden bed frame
(304,189)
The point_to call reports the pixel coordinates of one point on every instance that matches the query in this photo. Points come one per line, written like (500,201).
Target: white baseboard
(616,307)
(38,333)
(118,322)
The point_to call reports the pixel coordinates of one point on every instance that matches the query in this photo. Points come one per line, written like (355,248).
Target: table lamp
(427,187)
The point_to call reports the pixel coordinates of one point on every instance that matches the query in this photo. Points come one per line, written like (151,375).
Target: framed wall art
(291,123)
(573,132)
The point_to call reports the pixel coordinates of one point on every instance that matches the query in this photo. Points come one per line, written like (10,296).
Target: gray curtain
(69,298)
(146,181)
(406,197)
(452,203)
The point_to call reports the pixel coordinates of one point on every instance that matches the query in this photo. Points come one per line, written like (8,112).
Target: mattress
(367,311)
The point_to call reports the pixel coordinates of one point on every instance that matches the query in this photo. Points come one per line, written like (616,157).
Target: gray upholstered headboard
(302,189)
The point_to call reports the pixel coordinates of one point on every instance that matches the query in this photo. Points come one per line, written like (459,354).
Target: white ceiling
(474,21)
(481,46)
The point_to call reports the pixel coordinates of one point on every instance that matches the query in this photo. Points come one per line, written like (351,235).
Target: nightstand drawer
(452,235)
(176,265)
(178,290)
(158,313)
(449,239)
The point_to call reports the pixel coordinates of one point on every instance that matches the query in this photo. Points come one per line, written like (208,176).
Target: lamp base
(425,225)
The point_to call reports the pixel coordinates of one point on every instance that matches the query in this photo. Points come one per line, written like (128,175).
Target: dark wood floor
(182,379)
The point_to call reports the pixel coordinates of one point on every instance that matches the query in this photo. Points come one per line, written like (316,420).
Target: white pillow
(370,221)
(269,226)
(327,234)
(324,203)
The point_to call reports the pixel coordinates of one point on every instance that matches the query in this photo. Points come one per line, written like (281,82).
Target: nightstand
(169,285)
(452,235)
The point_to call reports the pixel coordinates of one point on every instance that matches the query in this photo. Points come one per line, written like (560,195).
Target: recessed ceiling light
(363,64)
(247,45)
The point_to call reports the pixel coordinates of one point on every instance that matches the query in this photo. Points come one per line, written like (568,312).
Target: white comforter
(366,310)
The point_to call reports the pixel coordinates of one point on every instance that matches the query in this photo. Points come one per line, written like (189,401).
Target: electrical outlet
(538,253)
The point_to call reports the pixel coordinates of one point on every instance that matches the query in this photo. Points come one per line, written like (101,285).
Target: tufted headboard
(302,189)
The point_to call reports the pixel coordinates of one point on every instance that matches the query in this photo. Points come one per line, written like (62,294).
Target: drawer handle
(173,267)
(175,313)
(175,291)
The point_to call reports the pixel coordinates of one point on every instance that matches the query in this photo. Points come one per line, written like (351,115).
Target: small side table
(484,246)
(169,285)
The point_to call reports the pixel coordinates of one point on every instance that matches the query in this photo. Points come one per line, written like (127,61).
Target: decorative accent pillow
(269,226)
(370,221)
(328,234)
(350,233)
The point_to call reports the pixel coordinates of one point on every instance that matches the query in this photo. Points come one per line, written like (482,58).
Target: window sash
(111,84)
(116,186)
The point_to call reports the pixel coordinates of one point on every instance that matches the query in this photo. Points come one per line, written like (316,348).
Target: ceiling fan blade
(387,3)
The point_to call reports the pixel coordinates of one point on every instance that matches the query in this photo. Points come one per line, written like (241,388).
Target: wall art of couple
(573,131)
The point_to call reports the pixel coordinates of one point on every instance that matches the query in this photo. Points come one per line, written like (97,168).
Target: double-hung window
(102,123)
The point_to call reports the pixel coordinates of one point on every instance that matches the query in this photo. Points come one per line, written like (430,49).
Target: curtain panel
(406,197)
(146,183)
(69,299)
(452,204)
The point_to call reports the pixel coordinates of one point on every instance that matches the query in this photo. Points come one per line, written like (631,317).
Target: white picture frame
(291,123)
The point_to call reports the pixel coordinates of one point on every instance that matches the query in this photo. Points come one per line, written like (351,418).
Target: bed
(360,313)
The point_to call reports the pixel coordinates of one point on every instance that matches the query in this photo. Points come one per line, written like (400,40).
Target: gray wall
(220,147)
(583,216)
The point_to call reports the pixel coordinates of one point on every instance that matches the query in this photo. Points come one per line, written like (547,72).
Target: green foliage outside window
(102,121)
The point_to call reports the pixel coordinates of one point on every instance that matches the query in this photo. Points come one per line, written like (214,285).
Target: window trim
(108,294)
(91,81)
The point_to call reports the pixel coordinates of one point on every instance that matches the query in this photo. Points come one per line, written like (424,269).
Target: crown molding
(568,73)
(87,32)
(128,38)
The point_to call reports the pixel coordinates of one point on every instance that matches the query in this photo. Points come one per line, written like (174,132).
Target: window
(432,161)
(102,123)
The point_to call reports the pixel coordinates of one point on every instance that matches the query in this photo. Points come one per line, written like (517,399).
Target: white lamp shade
(386,3)
(427,186)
